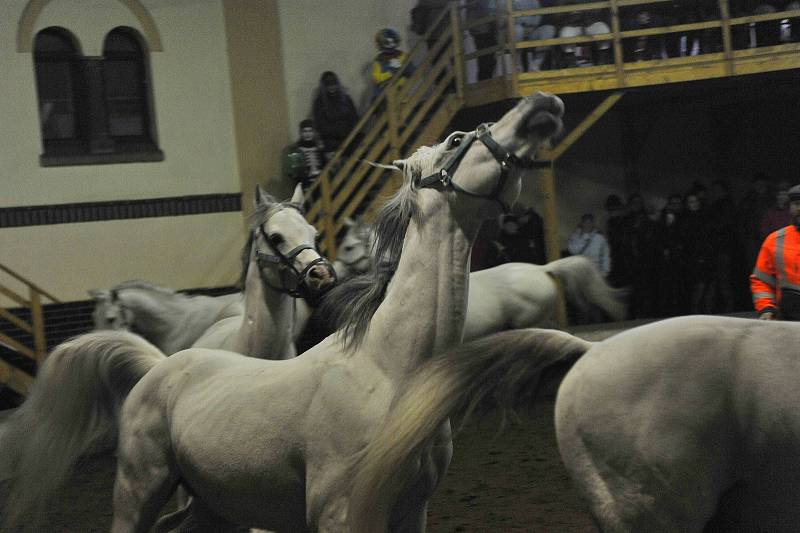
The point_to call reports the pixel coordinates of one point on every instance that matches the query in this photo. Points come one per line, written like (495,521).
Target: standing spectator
(484,35)
(778,215)
(586,240)
(543,55)
(794,23)
(721,247)
(776,276)
(643,256)
(672,243)
(572,54)
(335,113)
(596,24)
(423,14)
(525,28)
(643,48)
(616,233)
(389,60)
(303,160)
(751,210)
(521,238)
(698,260)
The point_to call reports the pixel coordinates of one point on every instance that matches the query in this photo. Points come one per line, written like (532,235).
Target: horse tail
(584,283)
(506,365)
(71,410)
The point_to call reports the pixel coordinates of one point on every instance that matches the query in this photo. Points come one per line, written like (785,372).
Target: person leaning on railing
(484,35)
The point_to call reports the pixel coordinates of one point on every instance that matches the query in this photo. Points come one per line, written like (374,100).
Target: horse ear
(261,196)
(101,295)
(400,164)
(298,197)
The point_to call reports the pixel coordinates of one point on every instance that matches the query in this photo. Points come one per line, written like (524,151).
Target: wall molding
(40,215)
(34,8)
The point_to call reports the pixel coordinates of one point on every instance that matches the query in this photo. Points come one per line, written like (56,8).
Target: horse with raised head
(169,319)
(689,424)
(269,443)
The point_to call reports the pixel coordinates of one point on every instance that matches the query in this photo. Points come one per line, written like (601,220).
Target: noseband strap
(286,262)
(506,159)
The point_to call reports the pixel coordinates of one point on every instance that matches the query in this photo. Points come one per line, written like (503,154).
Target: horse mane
(352,303)
(263,211)
(141,284)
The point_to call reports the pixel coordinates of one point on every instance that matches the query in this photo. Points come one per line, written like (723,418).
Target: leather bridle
(298,286)
(507,160)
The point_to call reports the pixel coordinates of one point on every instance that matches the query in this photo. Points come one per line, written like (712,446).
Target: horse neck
(268,320)
(155,314)
(425,305)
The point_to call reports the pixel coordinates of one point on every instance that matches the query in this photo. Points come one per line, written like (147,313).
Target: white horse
(174,321)
(268,443)
(689,424)
(273,281)
(508,296)
(524,295)
(171,320)
(354,254)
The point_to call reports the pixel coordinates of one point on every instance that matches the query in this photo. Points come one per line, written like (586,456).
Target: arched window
(57,72)
(94,109)
(126,86)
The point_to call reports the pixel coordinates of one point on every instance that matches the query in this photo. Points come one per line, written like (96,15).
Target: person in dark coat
(335,114)
(644,260)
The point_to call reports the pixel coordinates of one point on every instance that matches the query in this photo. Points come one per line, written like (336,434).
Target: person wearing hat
(303,160)
(389,60)
(775,281)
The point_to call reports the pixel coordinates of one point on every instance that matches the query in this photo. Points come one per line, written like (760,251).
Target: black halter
(297,286)
(506,159)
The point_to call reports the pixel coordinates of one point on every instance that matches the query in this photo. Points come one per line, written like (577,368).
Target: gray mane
(352,303)
(262,213)
(141,284)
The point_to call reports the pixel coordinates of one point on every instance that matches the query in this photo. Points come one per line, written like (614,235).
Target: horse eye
(455,141)
(349,248)
(276,239)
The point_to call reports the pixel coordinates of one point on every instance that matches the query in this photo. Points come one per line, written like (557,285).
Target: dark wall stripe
(38,215)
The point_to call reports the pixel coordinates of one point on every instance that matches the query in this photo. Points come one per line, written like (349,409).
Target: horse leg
(632,489)
(196,517)
(145,478)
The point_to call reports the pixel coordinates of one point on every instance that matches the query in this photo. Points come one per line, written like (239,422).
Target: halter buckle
(444,178)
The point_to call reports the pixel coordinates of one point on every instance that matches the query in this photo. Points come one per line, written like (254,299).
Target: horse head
(110,311)
(353,256)
(488,163)
(283,247)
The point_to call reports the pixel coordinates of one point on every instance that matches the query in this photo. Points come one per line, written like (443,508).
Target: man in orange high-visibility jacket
(775,281)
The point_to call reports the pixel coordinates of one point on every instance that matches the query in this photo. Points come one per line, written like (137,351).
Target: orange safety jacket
(777,272)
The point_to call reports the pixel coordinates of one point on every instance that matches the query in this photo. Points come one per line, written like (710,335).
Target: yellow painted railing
(726,39)
(418,103)
(31,300)
(413,109)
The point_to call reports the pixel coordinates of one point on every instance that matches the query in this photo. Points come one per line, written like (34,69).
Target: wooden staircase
(23,343)
(413,110)
(418,104)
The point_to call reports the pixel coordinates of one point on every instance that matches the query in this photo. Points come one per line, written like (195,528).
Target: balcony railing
(438,79)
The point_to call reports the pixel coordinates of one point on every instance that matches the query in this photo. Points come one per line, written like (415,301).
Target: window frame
(92,142)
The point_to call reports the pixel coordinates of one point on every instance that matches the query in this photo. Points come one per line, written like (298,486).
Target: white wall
(194,121)
(338,36)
